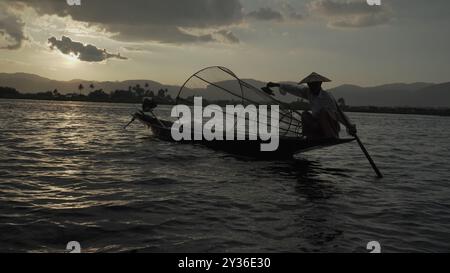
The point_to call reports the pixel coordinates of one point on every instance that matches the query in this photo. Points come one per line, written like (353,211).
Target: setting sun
(70,59)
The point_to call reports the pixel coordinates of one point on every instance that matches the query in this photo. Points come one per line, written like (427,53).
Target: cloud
(137,49)
(288,14)
(350,13)
(87,53)
(265,14)
(228,36)
(11,29)
(163,34)
(149,20)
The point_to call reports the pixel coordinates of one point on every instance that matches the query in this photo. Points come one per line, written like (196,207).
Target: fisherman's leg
(330,127)
(311,128)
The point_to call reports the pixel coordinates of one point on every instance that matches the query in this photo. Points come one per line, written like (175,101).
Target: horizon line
(173,84)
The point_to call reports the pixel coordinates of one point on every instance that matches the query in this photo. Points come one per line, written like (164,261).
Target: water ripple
(69,172)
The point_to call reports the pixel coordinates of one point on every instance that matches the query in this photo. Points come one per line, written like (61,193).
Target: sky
(348,41)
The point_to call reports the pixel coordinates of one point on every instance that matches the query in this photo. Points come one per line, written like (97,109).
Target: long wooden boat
(288,145)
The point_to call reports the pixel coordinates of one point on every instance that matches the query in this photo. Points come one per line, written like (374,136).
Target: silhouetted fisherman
(323,120)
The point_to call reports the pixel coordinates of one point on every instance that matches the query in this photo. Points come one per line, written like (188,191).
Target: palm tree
(80,88)
(161,93)
(139,91)
(91,86)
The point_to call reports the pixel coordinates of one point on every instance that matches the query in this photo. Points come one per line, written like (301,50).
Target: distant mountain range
(31,83)
(398,94)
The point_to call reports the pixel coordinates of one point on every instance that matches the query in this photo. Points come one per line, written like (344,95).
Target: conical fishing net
(220,86)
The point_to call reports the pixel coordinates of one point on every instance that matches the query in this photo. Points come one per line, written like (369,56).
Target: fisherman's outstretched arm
(291,89)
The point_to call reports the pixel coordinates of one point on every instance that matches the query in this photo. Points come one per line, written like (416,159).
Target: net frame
(287,116)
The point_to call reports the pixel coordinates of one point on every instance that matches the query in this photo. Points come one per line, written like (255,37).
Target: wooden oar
(131,121)
(375,168)
(361,145)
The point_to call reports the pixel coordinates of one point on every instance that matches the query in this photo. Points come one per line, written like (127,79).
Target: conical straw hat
(314,77)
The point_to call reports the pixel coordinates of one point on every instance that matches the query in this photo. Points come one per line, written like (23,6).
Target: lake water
(69,172)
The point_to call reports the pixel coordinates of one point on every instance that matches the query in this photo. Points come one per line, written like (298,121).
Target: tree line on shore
(134,94)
